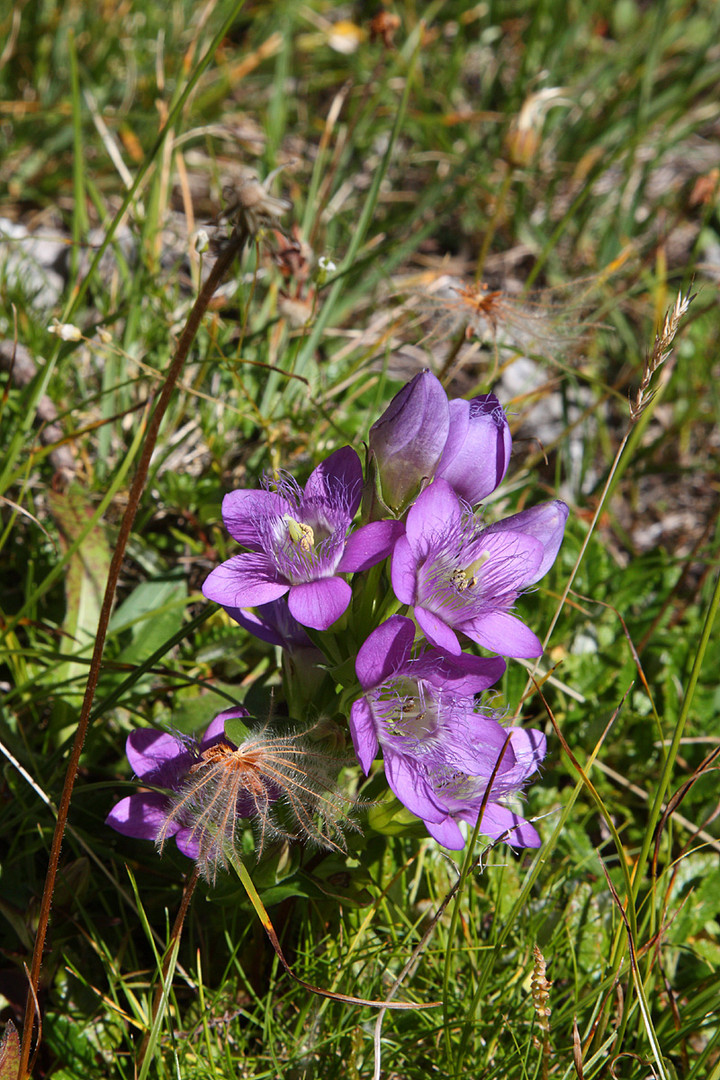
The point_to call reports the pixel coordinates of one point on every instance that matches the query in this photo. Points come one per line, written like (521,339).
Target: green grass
(397,167)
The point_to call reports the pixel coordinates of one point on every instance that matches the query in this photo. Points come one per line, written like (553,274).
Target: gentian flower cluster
(378,617)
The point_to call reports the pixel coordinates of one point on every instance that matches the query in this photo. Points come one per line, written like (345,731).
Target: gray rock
(32,263)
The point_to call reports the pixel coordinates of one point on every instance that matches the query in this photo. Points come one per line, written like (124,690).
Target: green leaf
(237,731)
(152,614)
(391,818)
(86,574)
(337,878)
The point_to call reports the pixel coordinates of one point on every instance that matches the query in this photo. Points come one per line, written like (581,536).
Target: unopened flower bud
(477,451)
(202,241)
(65,331)
(407,441)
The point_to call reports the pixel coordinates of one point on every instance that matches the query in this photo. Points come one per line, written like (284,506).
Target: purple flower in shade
(477,450)
(421,435)
(274,624)
(464,795)
(298,543)
(461,577)
(161,760)
(440,750)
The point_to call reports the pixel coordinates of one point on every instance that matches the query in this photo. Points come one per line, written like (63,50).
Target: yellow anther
(466,578)
(300,533)
(461,580)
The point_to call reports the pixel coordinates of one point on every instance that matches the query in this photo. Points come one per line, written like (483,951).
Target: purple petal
(215,731)
(530,748)
(337,481)
(143,816)
(503,633)
(464,675)
(242,510)
(319,603)
(403,572)
(487,750)
(156,757)
(546,523)
(511,561)
(187,844)
(272,623)
(362,729)
(385,651)
(447,833)
(251,622)
(434,513)
(244,581)
(368,545)
(404,777)
(500,823)
(437,632)
(477,451)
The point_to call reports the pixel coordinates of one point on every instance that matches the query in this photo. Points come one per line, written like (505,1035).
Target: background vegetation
(570,148)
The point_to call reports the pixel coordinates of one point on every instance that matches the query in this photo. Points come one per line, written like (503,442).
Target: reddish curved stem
(224,261)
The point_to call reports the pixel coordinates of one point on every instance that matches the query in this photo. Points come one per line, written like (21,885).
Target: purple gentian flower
(298,543)
(440,750)
(477,452)
(274,624)
(159,759)
(421,435)
(407,442)
(464,796)
(459,576)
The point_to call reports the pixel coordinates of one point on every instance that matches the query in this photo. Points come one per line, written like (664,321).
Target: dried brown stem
(224,261)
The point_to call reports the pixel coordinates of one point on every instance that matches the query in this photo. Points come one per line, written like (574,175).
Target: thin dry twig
(224,262)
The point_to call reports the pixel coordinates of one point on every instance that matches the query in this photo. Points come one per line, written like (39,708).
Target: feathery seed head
(284,785)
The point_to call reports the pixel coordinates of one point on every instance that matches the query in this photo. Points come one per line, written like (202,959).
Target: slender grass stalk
(162,990)
(254,898)
(80,218)
(469,861)
(492,225)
